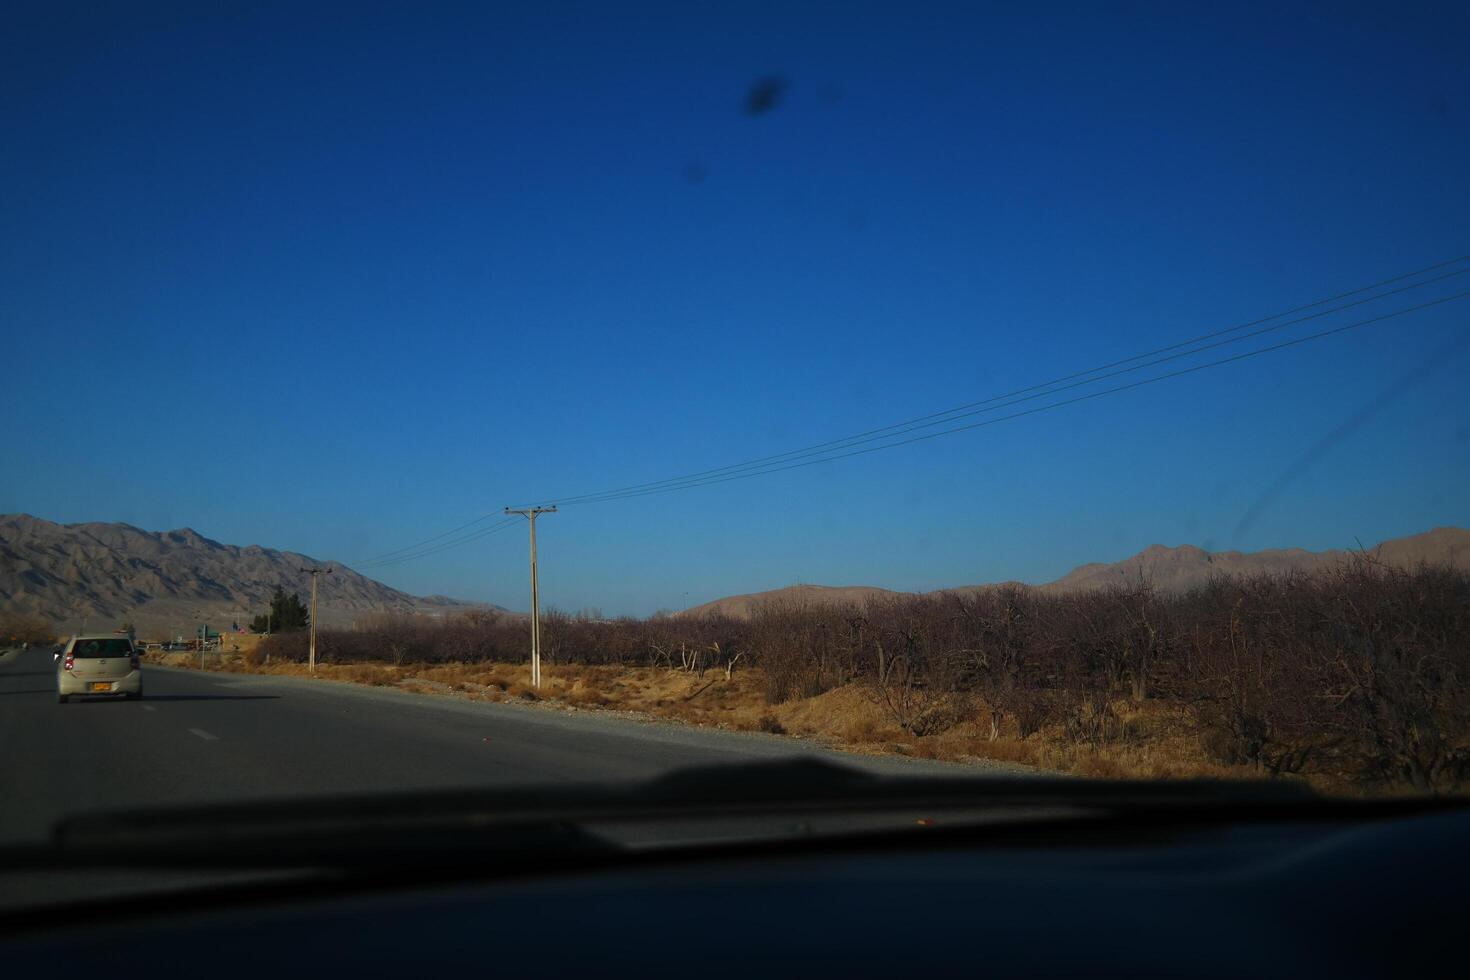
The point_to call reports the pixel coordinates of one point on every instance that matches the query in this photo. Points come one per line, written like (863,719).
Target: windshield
(525,396)
(101,648)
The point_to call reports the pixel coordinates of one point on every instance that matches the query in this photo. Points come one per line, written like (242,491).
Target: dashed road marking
(204,735)
(149,707)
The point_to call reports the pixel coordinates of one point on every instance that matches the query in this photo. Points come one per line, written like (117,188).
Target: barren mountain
(169,582)
(1184,567)
(1168,569)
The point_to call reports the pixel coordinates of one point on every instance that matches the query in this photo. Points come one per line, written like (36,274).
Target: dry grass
(1160,742)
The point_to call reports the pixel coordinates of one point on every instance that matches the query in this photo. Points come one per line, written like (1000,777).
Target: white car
(99,665)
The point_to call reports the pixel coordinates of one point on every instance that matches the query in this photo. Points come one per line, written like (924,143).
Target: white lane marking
(149,707)
(204,735)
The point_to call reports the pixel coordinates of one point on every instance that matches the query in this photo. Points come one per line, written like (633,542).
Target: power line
(1437,359)
(1041,389)
(443,546)
(410,547)
(1041,408)
(843,448)
(955,414)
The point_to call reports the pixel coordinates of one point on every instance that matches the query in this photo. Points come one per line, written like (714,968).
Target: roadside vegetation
(287,613)
(23,627)
(1356,678)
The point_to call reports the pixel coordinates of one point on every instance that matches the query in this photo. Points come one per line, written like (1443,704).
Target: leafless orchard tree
(1360,672)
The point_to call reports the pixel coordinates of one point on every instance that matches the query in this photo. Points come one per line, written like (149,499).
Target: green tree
(288,614)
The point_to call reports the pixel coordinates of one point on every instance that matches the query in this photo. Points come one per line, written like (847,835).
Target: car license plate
(99,686)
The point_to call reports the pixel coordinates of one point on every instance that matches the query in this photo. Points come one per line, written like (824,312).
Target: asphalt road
(214,737)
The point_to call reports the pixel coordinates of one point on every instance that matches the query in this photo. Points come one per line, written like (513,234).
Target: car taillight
(70,662)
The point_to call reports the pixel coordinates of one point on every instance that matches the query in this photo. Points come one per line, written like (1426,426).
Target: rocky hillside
(168,582)
(1169,569)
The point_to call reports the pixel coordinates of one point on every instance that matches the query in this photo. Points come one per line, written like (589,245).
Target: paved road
(204,737)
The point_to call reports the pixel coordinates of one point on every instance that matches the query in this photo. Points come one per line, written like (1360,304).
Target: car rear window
(102,648)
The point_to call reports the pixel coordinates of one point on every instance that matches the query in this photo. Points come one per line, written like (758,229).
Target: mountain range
(1169,569)
(168,582)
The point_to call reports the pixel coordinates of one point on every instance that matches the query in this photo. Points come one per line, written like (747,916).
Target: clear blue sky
(338,280)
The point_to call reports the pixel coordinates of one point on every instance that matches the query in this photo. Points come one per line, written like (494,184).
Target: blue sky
(337,280)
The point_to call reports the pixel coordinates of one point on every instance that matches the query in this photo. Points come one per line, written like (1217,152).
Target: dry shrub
(586,694)
(803,649)
(1098,766)
(18,627)
(1093,720)
(1010,750)
(861,730)
(364,674)
(1356,676)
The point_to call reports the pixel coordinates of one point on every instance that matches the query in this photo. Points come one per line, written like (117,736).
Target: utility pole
(311,649)
(203,629)
(531,513)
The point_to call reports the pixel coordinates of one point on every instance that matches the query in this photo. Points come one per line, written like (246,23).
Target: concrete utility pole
(531,513)
(311,649)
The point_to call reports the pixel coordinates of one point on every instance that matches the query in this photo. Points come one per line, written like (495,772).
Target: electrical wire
(1042,408)
(441,547)
(843,448)
(955,414)
(420,544)
(1048,387)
